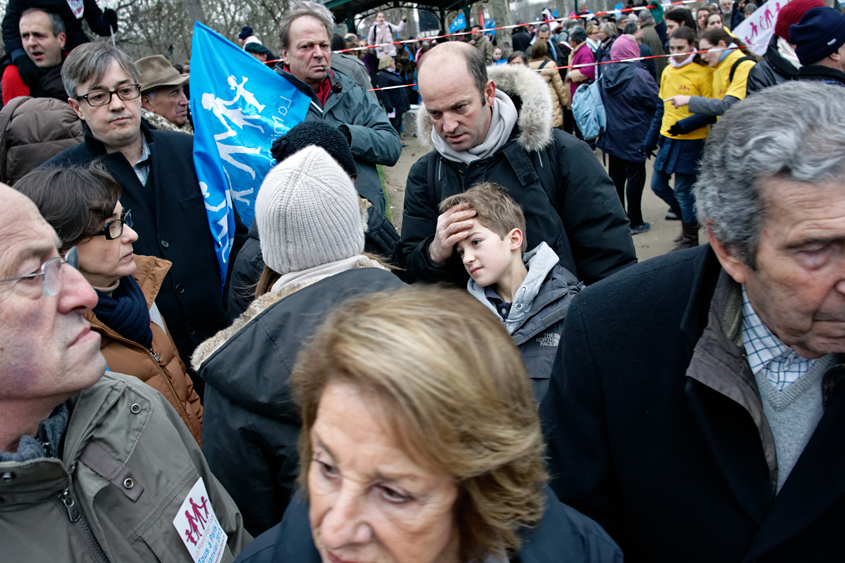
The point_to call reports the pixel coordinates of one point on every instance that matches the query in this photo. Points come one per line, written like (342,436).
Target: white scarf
(502,123)
(317,273)
(683,63)
(788,53)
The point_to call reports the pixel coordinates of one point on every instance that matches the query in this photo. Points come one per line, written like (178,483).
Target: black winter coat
(772,70)
(568,199)
(170,219)
(673,468)
(563,534)
(392,100)
(92,14)
(521,41)
(250,422)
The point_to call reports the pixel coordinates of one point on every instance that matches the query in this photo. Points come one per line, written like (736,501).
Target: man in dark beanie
(818,40)
(780,63)
(380,238)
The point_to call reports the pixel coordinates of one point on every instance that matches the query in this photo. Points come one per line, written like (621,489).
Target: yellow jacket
(723,85)
(692,79)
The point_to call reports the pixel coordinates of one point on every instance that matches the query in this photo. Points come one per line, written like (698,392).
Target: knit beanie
(792,14)
(316,133)
(308,213)
(820,33)
(625,47)
(245,32)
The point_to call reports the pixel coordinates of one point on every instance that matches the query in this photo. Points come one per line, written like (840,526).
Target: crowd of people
(501,381)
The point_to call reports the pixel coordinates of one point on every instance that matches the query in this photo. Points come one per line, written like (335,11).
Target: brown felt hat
(156,72)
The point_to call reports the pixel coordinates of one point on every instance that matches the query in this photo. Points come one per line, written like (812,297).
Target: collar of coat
(532,98)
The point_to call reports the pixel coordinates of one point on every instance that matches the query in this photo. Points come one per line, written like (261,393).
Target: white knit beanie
(308,213)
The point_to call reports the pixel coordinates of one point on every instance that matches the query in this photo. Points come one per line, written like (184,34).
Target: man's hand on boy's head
(453,226)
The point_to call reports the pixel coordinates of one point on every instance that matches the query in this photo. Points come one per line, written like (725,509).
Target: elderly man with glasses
(82,471)
(156,173)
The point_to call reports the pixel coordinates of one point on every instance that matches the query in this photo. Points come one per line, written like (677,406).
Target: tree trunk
(195,13)
(500,10)
(411,31)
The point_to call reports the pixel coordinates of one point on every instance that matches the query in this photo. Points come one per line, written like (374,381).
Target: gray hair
(630,28)
(304,8)
(543,29)
(91,61)
(763,138)
(645,17)
(57,24)
(610,29)
(578,34)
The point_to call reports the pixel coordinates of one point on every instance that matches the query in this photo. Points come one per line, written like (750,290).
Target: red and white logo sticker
(198,527)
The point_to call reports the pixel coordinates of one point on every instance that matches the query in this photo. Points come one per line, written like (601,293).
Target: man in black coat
(521,39)
(496,127)
(156,172)
(696,407)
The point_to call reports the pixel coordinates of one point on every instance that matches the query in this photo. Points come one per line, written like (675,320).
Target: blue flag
(491,23)
(459,24)
(239,107)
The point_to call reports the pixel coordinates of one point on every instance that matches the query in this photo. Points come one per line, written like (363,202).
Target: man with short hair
(43,37)
(93,467)
(543,34)
(163,101)
(819,40)
(478,135)
(482,44)
(335,98)
(697,404)
(155,170)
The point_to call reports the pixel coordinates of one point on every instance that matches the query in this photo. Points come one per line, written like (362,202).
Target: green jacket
(372,138)
(62,509)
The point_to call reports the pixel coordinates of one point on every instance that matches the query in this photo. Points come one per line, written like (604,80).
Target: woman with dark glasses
(81,204)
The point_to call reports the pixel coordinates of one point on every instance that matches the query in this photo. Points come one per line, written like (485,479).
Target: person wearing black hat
(260,52)
(818,40)
(245,34)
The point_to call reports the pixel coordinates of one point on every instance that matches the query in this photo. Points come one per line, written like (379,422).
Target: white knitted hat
(308,213)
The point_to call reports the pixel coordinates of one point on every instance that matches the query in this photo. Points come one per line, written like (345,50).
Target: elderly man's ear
(735,267)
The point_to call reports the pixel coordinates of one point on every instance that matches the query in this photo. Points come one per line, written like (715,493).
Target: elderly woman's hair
(610,29)
(454,389)
(765,138)
(75,200)
(304,8)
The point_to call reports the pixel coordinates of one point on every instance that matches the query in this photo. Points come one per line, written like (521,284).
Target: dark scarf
(126,312)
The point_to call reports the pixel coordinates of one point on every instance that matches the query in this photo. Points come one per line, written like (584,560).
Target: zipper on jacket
(156,356)
(80,524)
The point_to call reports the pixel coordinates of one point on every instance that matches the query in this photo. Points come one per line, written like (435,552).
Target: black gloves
(676,129)
(30,73)
(110,18)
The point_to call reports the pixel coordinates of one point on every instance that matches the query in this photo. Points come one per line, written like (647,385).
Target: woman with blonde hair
(421,443)
(541,62)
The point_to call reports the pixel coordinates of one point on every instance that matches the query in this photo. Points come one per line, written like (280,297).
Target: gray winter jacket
(127,464)
(373,139)
(536,315)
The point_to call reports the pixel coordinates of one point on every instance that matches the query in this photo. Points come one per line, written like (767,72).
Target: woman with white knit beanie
(312,239)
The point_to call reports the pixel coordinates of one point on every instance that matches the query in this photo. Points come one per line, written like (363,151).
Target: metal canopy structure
(352,11)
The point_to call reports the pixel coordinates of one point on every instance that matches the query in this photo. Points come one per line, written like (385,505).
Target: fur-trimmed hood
(207,348)
(531,96)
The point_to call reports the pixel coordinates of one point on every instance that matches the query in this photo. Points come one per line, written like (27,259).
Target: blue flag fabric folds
(459,24)
(239,107)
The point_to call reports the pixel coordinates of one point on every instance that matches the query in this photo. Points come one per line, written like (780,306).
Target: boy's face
(487,258)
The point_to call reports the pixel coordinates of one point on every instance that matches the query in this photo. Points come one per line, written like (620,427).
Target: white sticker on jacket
(77,7)
(198,527)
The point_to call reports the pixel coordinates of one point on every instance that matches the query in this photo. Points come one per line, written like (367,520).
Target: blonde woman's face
(370,501)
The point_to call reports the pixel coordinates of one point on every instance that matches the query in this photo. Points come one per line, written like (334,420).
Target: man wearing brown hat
(163,101)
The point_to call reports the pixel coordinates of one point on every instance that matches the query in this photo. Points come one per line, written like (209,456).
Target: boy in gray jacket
(530,291)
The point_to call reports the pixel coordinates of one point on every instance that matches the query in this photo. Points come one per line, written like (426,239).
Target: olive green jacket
(127,464)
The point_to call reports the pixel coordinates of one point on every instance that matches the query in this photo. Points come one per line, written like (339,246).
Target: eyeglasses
(113,229)
(51,273)
(96,98)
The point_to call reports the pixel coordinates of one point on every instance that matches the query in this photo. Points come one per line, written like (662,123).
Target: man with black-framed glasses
(156,172)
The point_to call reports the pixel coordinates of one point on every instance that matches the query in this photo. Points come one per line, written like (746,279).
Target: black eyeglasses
(113,229)
(96,98)
(51,273)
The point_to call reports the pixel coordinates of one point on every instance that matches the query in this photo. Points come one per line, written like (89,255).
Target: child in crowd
(679,135)
(530,291)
